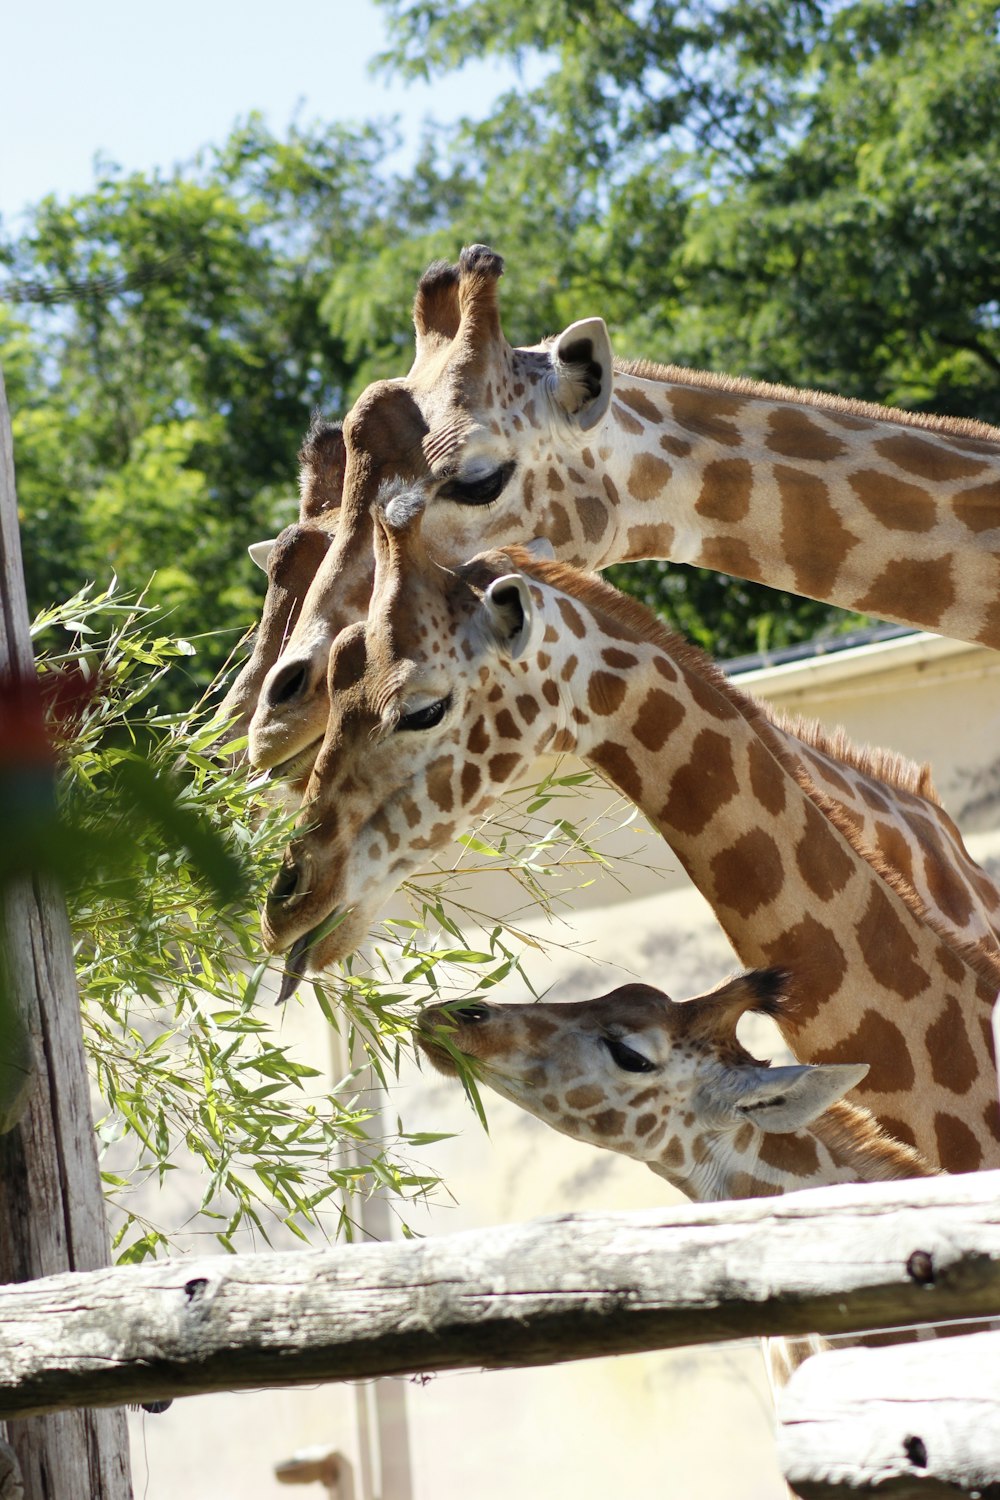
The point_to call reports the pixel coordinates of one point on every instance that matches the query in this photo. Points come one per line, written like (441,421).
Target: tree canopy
(797,191)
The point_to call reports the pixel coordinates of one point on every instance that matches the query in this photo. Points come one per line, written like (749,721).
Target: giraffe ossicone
(669,1084)
(882,511)
(461,678)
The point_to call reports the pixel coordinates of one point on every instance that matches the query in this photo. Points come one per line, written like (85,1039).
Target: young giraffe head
(473,423)
(291,561)
(670,1084)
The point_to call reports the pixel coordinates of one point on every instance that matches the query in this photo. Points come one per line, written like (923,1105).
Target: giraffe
(291,561)
(669,1084)
(459,680)
(857,505)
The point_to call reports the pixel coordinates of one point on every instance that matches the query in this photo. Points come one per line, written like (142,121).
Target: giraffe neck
(785,884)
(854,505)
(843,1145)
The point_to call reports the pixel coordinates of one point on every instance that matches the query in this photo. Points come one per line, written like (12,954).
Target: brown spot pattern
(659,715)
(811,952)
(947,890)
(527,707)
(790,1153)
(478,740)
(767,779)
(880,1044)
(608,1122)
(930,458)
(605,693)
(625,419)
(895,849)
(958,1149)
(795,434)
(979,508)
(619,767)
(749,874)
(584,1096)
(648,541)
(593,517)
(615,657)
(640,403)
(711,699)
(888,949)
(648,476)
(896,505)
(559,529)
(707,413)
(824,862)
(729,554)
(912,588)
(440,784)
(814,538)
(725,490)
(502,766)
(700,788)
(506,725)
(471,779)
(644,1124)
(571,617)
(953,1062)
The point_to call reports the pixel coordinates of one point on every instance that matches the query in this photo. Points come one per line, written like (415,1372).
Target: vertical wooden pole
(51,1205)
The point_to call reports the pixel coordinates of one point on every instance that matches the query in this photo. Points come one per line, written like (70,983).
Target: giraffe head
(499,440)
(413,752)
(291,561)
(664,1082)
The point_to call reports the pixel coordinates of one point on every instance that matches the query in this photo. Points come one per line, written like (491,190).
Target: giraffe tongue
(293,975)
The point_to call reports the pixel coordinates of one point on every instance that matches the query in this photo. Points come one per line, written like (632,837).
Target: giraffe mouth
(298,766)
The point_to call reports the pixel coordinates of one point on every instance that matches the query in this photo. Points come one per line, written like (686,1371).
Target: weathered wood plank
(576,1286)
(51,1206)
(915,1420)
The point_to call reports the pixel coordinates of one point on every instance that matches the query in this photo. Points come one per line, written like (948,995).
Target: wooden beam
(52,1207)
(833,1260)
(911,1422)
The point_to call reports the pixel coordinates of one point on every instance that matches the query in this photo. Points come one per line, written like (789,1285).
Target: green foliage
(166,855)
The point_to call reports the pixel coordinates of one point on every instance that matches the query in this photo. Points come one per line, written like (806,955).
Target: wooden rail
(833,1260)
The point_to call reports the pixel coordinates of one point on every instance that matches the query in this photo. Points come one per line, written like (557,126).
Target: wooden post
(51,1204)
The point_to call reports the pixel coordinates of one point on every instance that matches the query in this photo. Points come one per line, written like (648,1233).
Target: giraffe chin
(436,1055)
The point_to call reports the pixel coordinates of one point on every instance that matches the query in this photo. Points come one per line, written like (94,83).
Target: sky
(148,85)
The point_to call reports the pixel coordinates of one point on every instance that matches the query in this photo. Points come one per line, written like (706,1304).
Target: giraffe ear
(582,371)
(510,614)
(261,551)
(781,1100)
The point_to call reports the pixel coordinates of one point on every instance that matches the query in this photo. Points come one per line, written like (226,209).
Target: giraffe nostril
(289,885)
(288,684)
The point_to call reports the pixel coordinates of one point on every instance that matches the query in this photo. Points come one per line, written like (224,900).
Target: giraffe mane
(896,770)
(596,594)
(848,1129)
(741,385)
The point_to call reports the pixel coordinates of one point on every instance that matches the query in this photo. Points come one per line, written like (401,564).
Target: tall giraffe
(461,679)
(883,511)
(669,1084)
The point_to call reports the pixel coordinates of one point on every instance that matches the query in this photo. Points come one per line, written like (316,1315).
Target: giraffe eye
(482,491)
(426,717)
(628,1058)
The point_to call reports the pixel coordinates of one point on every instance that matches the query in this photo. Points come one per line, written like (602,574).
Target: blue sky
(147,86)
